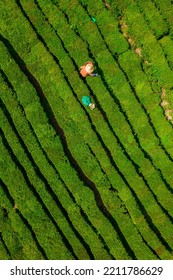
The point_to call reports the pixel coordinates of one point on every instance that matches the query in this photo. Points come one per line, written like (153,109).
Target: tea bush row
(166,9)
(4,254)
(31,208)
(27,240)
(145,39)
(11,238)
(154,18)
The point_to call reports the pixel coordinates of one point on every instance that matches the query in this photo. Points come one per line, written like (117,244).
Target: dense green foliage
(77,183)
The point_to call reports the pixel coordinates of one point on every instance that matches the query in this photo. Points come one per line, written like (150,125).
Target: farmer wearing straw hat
(86,100)
(87,69)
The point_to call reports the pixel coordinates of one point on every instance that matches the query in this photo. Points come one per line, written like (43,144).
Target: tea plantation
(75,183)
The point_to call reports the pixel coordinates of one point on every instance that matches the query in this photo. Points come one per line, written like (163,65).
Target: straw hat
(92,106)
(89,67)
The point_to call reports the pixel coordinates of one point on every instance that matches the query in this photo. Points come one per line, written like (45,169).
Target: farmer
(86,100)
(87,69)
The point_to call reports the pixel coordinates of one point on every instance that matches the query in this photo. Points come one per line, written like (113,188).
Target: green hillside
(75,183)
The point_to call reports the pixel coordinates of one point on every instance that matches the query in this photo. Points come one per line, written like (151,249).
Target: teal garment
(93,19)
(86,100)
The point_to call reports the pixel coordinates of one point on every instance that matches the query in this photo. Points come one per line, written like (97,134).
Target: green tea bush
(166,9)
(28,205)
(167,44)
(11,238)
(153,17)
(29,245)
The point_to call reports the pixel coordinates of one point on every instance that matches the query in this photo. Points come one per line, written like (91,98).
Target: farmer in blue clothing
(86,100)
